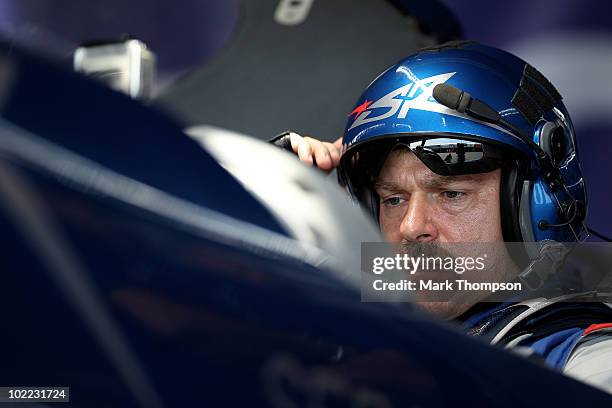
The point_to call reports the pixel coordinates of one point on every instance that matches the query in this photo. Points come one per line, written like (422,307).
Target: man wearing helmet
(468,143)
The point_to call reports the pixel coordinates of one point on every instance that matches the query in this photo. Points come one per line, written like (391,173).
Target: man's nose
(417,225)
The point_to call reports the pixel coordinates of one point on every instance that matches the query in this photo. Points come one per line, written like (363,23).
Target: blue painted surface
(206,321)
(399,103)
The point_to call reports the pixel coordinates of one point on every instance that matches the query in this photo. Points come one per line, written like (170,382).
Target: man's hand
(311,151)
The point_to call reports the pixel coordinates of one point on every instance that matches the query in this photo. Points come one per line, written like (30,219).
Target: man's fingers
(335,154)
(338,144)
(321,153)
(304,151)
(334,157)
(309,150)
(295,140)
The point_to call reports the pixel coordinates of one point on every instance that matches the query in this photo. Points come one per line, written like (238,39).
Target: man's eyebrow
(386,185)
(437,181)
(429,181)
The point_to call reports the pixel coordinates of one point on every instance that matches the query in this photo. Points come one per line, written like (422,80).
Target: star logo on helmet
(412,95)
(358,110)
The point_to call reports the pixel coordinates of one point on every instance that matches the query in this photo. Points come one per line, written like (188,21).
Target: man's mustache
(428,250)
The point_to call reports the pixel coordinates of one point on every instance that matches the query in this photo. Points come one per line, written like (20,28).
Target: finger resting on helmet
(304,151)
(321,154)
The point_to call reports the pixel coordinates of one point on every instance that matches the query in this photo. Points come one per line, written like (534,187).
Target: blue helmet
(463,107)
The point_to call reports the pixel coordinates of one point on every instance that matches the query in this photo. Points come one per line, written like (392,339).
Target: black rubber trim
(542,80)
(526,106)
(283,141)
(509,203)
(539,96)
(512,176)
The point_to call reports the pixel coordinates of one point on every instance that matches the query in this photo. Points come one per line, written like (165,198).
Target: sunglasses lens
(447,156)
(449,151)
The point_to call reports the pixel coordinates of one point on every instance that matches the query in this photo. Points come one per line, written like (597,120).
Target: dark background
(568,40)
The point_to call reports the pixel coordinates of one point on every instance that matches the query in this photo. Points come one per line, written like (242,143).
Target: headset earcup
(554,142)
(509,202)
(511,191)
(545,138)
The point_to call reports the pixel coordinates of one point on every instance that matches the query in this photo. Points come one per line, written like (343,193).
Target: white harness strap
(534,305)
(591,360)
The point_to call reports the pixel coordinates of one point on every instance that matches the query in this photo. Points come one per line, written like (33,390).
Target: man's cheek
(391,236)
(390,231)
(459,228)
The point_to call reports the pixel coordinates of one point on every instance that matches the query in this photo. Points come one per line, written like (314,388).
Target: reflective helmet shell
(399,104)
